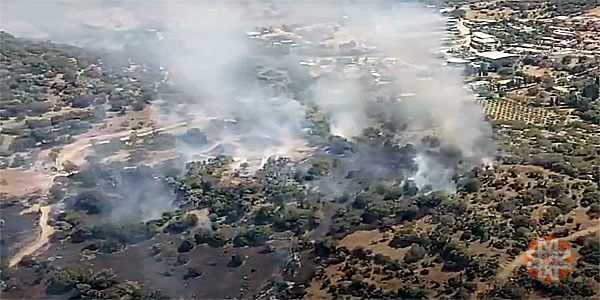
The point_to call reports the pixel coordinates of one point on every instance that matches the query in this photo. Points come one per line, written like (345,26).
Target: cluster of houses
(492,50)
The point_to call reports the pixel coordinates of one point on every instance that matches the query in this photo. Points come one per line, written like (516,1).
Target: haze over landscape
(279,149)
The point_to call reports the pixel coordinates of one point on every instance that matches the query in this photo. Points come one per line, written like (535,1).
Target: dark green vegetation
(51,93)
(130,230)
(85,284)
(471,236)
(101,205)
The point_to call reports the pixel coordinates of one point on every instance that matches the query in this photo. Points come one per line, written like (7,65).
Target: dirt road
(505,273)
(75,152)
(43,235)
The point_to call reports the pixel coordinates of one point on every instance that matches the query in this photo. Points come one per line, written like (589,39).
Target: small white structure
(497,57)
(482,87)
(484,42)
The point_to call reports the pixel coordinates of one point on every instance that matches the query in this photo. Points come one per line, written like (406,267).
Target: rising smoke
(211,59)
(409,34)
(426,95)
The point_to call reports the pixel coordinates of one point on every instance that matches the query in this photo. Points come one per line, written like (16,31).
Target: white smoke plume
(409,34)
(204,46)
(344,101)
(432,96)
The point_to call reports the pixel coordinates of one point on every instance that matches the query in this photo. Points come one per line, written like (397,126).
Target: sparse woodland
(346,222)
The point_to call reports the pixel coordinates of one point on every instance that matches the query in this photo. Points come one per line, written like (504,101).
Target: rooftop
(482,35)
(497,55)
(484,41)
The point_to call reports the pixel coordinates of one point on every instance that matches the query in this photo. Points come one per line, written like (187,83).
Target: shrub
(253,238)
(235,261)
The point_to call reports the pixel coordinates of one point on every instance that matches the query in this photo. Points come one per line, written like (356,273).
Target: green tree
(414,254)
(591,91)
(470,185)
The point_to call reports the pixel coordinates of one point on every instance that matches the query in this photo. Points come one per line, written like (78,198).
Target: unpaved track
(43,235)
(75,152)
(518,261)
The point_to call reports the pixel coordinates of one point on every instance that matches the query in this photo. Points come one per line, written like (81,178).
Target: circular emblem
(548,259)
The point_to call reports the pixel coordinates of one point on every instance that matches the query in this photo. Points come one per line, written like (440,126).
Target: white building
(484,42)
(498,58)
(481,88)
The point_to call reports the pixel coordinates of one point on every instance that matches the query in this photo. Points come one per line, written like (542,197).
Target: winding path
(76,149)
(69,153)
(43,236)
(505,273)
